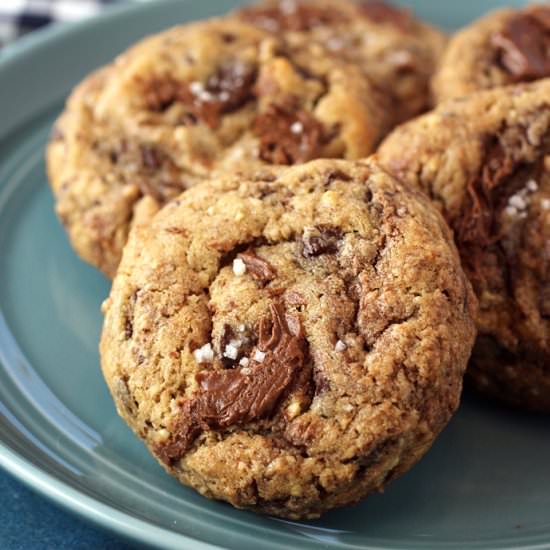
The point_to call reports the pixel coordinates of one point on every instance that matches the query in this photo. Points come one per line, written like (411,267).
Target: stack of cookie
(290,320)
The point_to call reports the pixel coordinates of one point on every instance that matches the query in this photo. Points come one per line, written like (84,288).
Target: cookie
(485,160)
(503,48)
(291,341)
(398,52)
(210,96)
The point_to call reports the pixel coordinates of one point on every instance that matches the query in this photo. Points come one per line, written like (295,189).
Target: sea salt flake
(204,354)
(511,211)
(518,202)
(532,186)
(239,267)
(244,362)
(259,356)
(206,96)
(231,352)
(297,128)
(196,88)
(340,346)
(545,204)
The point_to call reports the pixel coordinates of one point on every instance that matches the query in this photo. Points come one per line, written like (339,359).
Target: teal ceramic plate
(485,484)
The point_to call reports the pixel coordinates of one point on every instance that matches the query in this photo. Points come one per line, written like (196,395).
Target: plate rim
(50,486)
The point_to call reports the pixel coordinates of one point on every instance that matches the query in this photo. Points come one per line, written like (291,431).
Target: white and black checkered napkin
(18,17)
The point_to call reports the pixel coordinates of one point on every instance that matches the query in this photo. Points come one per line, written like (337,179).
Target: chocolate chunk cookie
(291,341)
(485,161)
(505,47)
(398,52)
(214,95)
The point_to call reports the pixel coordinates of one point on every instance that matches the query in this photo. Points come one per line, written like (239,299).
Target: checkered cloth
(18,17)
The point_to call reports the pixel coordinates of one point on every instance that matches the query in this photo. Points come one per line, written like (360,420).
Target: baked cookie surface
(505,47)
(214,95)
(292,341)
(398,52)
(485,160)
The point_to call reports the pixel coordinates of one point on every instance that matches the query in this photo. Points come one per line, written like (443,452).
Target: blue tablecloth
(29,521)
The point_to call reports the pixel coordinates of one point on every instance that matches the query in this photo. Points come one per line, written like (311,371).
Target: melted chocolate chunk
(232,84)
(225,91)
(291,16)
(234,397)
(258,268)
(382,12)
(524,45)
(477,223)
(185,432)
(161,93)
(478,228)
(322,239)
(287,136)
